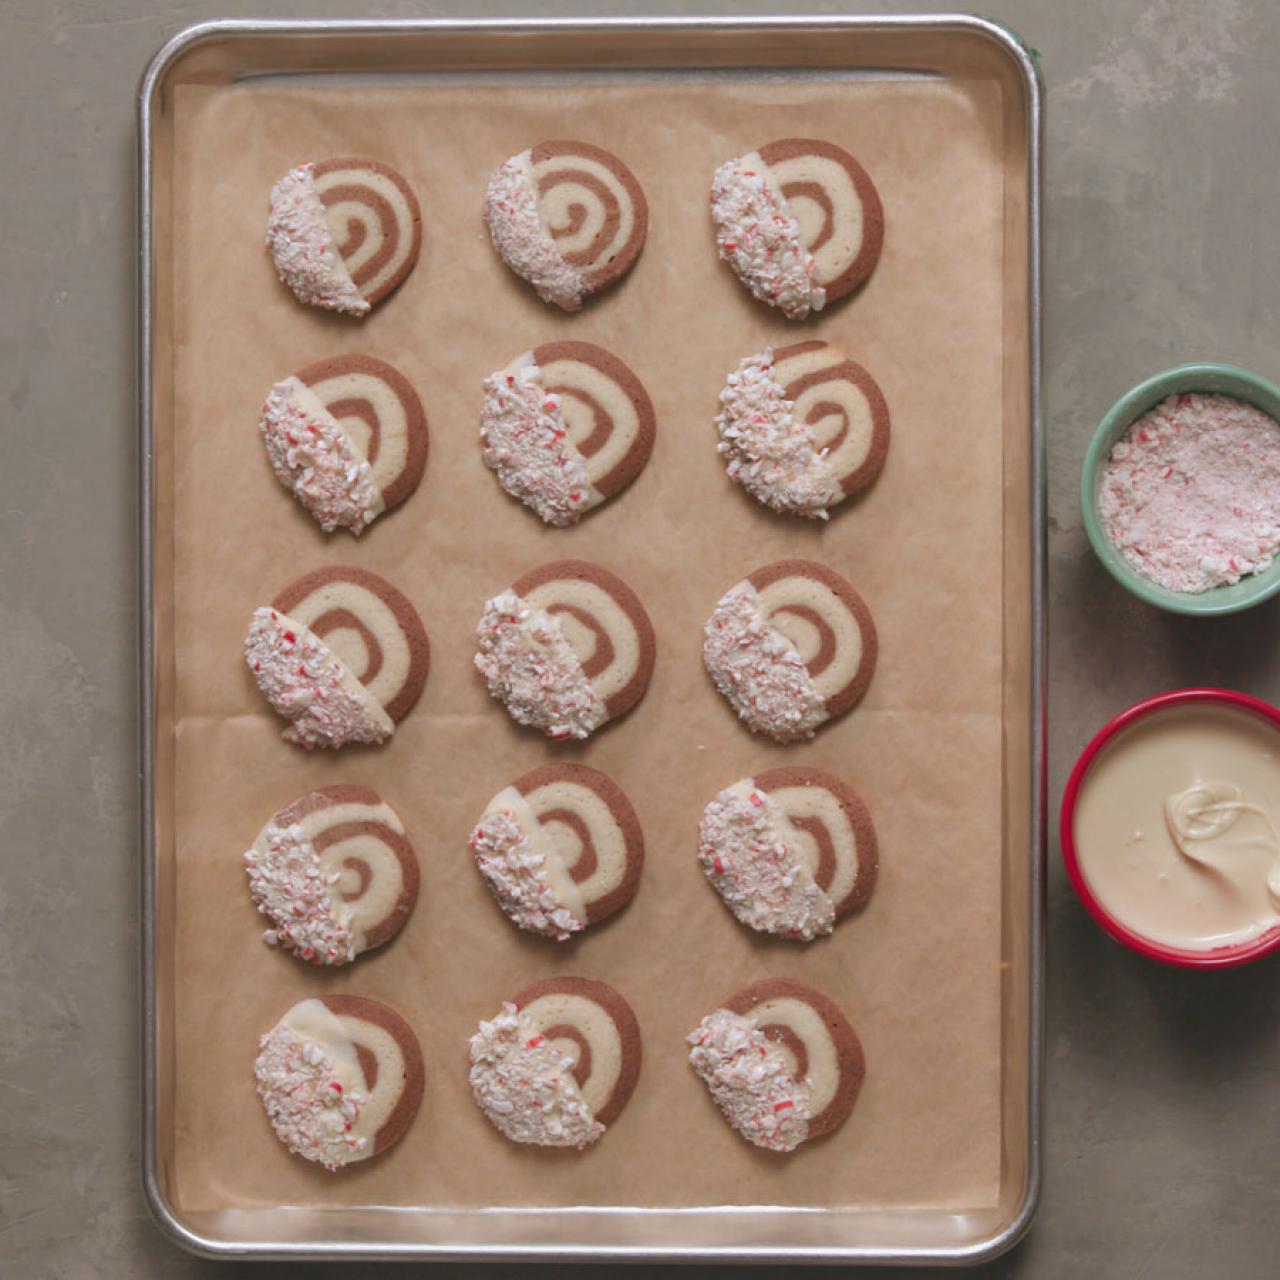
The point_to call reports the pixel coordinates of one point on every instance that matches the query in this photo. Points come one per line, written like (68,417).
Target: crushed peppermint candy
(289,886)
(525,1085)
(747,850)
(302,247)
(511,212)
(758,236)
(529,664)
(1190,496)
(307,684)
(310,1110)
(527,444)
(516,873)
(771,455)
(759,670)
(315,458)
(750,1078)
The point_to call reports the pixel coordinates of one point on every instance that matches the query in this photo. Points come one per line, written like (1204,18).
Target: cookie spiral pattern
(557,1064)
(340,1077)
(781,1061)
(568,217)
(566,427)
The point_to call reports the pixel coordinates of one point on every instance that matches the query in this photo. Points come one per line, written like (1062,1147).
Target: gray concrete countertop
(1162,1099)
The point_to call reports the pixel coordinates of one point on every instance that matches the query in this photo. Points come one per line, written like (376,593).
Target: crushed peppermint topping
(289,886)
(769,453)
(746,847)
(511,212)
(525,1085)
(306,258)
(307,684)
(759,670)
(515,871)
(758,236)
(1190,496)
(527,443)
(311,1112)
(315,458)
(750,1078)
(529,664)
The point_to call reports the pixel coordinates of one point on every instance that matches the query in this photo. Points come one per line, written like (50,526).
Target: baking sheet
(919,972)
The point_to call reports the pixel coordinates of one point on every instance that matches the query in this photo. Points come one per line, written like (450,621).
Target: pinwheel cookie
(791,646)
(799,221)
(347,437)
(558,1062)
(334,874)
(341,655)
(341,1078)
(781,1061)
(343,233)
(566,426)
(566,648)
(568,217)
(560,849)
(802,427)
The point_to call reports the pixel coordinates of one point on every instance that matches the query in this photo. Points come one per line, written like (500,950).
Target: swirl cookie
(799,221)
(802,427)
(347,437)
(560,849)
(791,646)
(334,874)
(566,648)
(781,1061)
(791,851)
(567,217)
(341,1078)
(566,427)
(557,1064)
(341,654)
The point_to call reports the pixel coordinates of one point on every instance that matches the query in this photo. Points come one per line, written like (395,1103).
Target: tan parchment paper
(918,971)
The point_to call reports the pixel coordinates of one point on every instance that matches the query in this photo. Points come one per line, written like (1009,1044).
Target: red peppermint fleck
(783,1105)
(533,1042)
(289,636)
(718,865)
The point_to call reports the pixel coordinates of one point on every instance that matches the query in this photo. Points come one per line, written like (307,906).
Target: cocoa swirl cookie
(791,646)
(340,1077)
(334,874)
(560,849)
(802,427)
(341,654)
(781,1061)
(791,851)
(566,427)
(566,648)
(568,217)
(347,437)
(343,233)
(799,221)
(557,1064)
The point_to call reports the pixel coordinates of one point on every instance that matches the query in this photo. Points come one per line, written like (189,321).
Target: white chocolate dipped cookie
(340,1077)
(566,648)
(347,437)
(557,1064)
(791,647)
(791,851)
(802,427)
(781,1061)
(560,849)
(566,427)
(334,874)
(799,221)
(343,233)
(341,654)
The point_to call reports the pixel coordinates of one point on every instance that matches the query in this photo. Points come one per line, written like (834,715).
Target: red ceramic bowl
(1219,957)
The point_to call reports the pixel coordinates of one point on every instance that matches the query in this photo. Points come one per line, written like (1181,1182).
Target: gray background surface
(1163,1105)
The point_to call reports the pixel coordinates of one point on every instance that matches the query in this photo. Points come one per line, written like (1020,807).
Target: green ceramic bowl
(1227,380)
